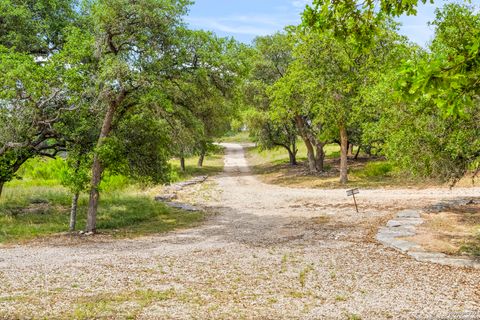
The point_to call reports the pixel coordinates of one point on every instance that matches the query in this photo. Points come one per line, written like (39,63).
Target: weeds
(302,277)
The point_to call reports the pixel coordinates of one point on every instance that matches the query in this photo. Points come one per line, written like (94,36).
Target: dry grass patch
(454,231)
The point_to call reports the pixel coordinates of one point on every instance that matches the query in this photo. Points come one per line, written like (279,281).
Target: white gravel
(269,252)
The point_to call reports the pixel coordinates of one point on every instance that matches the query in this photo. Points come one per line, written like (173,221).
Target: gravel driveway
(266,252)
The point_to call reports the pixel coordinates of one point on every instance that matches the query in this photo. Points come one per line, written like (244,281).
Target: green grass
(212,165)
(37,205)
(30,212)
(240,137)
(272,166)
(280,155)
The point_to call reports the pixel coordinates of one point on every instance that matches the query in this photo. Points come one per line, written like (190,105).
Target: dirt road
(268,252)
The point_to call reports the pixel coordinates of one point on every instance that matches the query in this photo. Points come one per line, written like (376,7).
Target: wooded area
(124,86)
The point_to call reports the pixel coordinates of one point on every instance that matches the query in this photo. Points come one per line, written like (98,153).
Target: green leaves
(448,75)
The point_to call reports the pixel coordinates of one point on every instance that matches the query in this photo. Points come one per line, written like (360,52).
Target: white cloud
(229,26)
(300,4)
(245,25)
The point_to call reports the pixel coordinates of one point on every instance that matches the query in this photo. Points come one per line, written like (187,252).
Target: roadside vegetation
(212,165)
(38,205)
(272,166)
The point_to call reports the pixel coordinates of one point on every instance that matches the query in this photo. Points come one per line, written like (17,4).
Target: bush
(377,169)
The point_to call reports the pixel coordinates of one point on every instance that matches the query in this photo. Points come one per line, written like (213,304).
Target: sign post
(352,193)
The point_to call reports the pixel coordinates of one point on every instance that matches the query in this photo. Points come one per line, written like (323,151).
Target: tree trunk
(97,170)
(182,164)
(200,159)
(292,157)
(320,157)
(1,187)
(358,152)
(350,150)
(310,151)
(73,211)
(343,155)
(311,156)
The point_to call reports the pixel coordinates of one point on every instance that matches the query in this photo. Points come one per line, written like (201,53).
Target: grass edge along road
(37,205)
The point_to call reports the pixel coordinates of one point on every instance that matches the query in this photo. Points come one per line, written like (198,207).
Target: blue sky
(245,19)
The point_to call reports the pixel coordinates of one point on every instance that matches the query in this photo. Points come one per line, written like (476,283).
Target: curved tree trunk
(312,165)
(73,211)
(97,170)
(310,151)
(343,155)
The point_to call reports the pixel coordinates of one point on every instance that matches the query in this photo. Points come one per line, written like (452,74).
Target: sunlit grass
(240,137)
(26,213)
(212,165)
(272,166)
(30,212)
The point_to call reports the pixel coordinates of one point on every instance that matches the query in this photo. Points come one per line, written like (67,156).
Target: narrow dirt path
(268,253)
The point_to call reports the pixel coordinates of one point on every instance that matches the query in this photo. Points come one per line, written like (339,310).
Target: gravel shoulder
(265,252)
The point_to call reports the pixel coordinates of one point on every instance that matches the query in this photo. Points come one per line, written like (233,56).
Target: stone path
(404,225)
(170,194)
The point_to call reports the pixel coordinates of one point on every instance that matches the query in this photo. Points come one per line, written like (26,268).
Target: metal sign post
(352,193)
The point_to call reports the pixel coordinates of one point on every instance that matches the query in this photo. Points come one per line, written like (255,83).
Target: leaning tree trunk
(358,152)
(310,151)
(73,211)
(97,170)
(1,187)
(343,155)
(200,159)
(182,164)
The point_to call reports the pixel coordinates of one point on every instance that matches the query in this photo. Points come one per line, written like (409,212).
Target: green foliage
(42,169)
(449,75)
(354,21)
(35,26)
(142,153)
(376,169)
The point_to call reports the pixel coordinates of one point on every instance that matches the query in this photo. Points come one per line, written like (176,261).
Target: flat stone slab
(404,225)
(426,256)
(180,185)
(182,206)
(399,232)
(402,245)
(408,214)
(404,222)
(166,197)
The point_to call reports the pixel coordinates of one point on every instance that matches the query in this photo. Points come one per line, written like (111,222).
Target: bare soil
(265,252)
